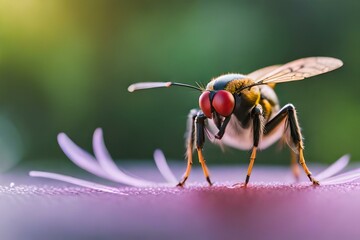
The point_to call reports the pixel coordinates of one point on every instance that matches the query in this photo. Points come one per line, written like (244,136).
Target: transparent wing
(258,74)
(301,69)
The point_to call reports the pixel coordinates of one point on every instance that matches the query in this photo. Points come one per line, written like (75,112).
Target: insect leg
(258,119)
(295,140)
(200,140)
(189,144)
(294,165)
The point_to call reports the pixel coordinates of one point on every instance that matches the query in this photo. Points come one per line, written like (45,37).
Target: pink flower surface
(271,207)
(262,211)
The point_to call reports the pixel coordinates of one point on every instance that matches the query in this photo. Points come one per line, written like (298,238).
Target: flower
(103,166)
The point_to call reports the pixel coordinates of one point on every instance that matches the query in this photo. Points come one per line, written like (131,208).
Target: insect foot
(315,182)
(239,185)
(182,183)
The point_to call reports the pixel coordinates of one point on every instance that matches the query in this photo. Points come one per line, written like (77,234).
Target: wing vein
(299,69)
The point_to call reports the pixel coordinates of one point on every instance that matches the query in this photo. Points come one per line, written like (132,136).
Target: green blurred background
(65,67)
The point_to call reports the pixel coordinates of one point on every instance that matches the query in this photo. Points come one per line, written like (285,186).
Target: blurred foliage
(65,66)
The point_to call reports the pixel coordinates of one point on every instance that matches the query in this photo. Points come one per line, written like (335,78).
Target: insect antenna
(149,85)
(200,85)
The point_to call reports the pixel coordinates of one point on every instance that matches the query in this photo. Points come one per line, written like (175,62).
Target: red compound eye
(223,103)
(204,103)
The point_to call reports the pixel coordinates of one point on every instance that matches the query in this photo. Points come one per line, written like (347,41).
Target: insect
(243,111)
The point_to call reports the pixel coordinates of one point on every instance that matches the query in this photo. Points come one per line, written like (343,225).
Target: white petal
(334,168)
(163,167)
(80,157)
(76,181)
(343,178)
(107,164)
